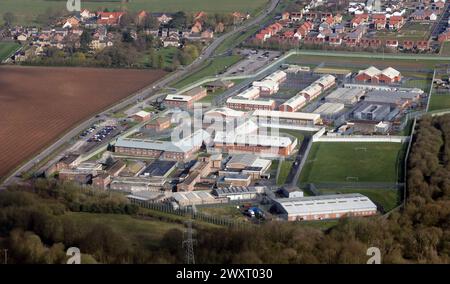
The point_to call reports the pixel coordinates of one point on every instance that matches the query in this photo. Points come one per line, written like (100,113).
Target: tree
(85,40)
(9,18)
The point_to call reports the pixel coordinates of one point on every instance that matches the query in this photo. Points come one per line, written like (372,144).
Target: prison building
(159,169)
(293,104)
(159,123)
(250,93)
(247,164)
(277,77)
(141,116)
(137,184)
(325,207)
(266,87)
(374,75)
(348,97)
(311,92)
(184,199)
(221,114)
(233,193)
(372,111)
(326,82)
(329,110)
(168,150)
(247,105)
(186,99)
(401,99)
(287,118)
(273,146)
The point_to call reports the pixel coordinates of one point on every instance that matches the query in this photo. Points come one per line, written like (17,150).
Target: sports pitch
(352,162)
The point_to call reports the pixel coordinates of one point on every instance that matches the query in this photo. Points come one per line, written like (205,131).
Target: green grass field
(344,162)
(136,231)
(439,102)
(410,31)
(355,62)
(7,48)
(388,198)
(445,48)
(27,10)
(211,68)
(284,172)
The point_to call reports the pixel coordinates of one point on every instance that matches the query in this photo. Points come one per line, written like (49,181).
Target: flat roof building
(250,93)
(329,109)
(159,168)
(243,104)
(372,111)
(348,97)
(169,150)
(287,118)
(325,207)
(186,99)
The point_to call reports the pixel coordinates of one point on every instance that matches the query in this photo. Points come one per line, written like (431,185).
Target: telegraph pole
(188,244)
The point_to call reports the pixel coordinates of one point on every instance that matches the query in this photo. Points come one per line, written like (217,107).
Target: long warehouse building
(325,207)
(287,118)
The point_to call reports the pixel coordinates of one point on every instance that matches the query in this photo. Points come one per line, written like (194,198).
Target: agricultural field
(35,114)
(439,102)
(6,49)
(352,162)
(26,10)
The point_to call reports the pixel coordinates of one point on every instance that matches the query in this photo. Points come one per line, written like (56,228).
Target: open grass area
(7,48)
(410,31)
(387,198)
(211,68)
(352,162)
(136,231)
(445,48)
(439,102)
(167,53)
(27,10)
(355,62)
(284,172)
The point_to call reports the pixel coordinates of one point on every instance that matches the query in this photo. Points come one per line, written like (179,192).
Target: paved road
(147,92)
(294,174)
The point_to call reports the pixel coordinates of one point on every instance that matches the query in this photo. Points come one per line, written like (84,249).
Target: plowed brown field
(38,104)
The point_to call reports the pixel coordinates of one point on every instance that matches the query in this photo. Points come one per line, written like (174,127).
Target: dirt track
(37,104)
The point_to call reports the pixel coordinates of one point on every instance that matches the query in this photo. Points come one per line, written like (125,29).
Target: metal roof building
(345,96)
(325,207)
(329,109)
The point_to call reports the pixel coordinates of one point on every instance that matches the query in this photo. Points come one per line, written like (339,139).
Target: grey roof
(246,159)
(234,190)
(326,204)
(185,145)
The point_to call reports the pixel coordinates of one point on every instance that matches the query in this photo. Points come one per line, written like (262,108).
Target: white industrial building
(238,192)
(286,118)
(329,109)
(250,93)
(345,96)
(325,207)
(266,87)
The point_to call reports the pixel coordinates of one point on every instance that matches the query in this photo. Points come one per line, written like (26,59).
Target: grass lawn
(7,48)
(284,172)
(211,68)
(445,48)
(387,198)
(136,231)
(166,52)
(363,62)
(319,224)
(27,10)
(343,162)
(438,102)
